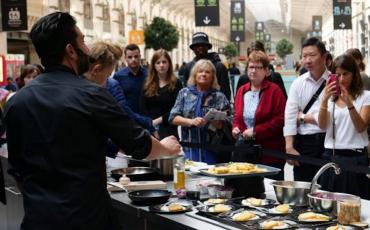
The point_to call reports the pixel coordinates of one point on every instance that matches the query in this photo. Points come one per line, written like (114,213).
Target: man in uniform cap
(200,46)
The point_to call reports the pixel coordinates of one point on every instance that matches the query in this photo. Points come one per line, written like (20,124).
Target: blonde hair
(200,65)
(151,85)
(105,53)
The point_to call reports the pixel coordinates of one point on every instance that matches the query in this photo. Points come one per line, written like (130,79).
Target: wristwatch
(301,118)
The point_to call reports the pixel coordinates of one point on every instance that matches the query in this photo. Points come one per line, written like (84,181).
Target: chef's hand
(292,151)
(157,121)
(156,134)
(171,144)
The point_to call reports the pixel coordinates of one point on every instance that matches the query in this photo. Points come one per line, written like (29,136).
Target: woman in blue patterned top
(192,103)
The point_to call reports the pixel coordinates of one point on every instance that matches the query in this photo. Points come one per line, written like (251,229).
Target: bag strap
(314,97)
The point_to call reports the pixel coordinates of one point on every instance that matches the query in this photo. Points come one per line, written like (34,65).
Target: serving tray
(268,172)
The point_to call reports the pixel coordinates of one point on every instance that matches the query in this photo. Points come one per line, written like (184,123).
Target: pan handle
(128,157)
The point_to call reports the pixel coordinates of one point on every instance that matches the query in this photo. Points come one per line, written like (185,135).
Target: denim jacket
(185,107)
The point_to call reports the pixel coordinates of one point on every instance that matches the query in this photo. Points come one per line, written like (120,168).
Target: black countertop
(139,217)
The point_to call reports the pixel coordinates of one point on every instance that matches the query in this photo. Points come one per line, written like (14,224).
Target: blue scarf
(201,96)
(198,134)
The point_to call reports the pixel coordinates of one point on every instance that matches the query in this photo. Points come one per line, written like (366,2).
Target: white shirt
(346,135)
(251,101)
(300,93)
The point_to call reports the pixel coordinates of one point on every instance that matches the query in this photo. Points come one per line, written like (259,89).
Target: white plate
(194,164)
(197,169)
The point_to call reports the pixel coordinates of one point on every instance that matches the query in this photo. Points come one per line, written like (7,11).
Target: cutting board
(140,185)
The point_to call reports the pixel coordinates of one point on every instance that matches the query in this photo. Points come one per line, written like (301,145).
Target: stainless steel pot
(292,192)
(327,201)
(165,166)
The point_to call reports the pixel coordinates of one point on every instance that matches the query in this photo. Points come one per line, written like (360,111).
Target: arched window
(88,15)
(106,17)
(64,5)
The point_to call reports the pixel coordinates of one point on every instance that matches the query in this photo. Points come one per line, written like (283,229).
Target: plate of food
(277,224)
(254,202)
(313,217)
(171,208)
(281,209)
(215,209)
(239,169)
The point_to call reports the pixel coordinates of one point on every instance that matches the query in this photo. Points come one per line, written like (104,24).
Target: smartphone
(334,78)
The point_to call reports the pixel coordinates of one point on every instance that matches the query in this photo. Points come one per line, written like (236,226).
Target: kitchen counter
(139,217)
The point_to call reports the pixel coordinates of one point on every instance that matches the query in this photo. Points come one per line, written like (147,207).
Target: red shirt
(269,118)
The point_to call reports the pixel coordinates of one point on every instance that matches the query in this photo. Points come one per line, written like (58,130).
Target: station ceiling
(278,15)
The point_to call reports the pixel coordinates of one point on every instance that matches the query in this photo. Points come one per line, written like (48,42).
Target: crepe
(219,170)
(174,207)
(236,168)
(220,208)
(215,201)
(282,208)
(273,224)
(252,201)
(244,216)
(312,217)
(336,227)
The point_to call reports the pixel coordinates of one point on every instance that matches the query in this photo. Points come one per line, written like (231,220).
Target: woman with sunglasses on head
(160,91)
(259,113)
(345,115)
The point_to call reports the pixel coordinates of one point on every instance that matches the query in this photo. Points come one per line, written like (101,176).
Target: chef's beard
(83,62)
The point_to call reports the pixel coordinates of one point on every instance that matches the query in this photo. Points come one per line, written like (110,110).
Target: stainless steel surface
(3,221)
(292,192)
(165,165)
(321,171)
(15,210)
(327,201)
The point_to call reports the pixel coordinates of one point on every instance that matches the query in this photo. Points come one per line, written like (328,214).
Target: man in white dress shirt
(302,134)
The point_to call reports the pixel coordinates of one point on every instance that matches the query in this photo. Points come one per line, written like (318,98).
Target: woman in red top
(259,110)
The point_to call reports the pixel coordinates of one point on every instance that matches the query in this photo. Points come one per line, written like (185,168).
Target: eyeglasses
(255,67)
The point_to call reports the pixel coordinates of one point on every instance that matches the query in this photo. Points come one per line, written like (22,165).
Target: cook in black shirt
(57,128)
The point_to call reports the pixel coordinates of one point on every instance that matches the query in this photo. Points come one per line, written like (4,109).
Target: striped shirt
(300,93)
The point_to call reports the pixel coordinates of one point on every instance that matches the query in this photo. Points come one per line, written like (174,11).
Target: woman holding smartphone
(345,114)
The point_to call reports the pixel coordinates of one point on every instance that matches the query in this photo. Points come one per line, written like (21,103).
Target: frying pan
(149,197)
(136,173)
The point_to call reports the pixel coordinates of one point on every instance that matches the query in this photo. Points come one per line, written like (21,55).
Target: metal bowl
(292,192)
(327,201)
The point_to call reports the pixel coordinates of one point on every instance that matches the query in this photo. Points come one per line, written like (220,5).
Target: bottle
(179,172)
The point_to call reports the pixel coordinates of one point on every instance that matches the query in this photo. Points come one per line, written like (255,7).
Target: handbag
(249,151)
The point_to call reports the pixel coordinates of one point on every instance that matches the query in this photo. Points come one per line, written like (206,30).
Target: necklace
(255,93)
